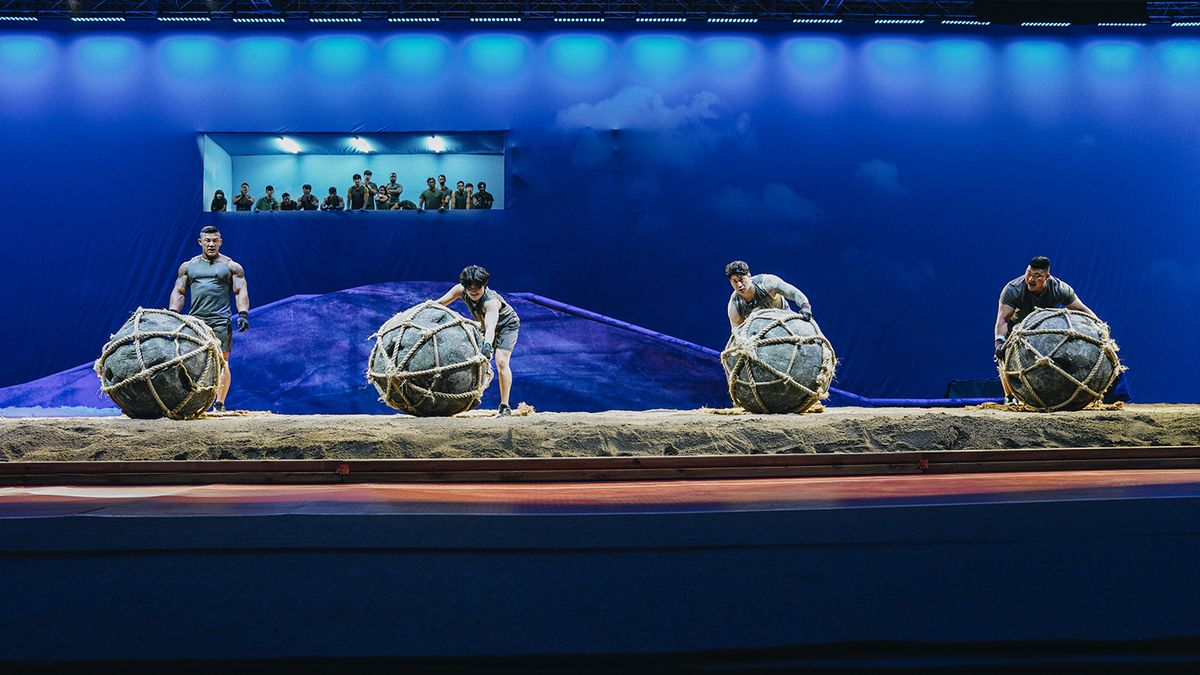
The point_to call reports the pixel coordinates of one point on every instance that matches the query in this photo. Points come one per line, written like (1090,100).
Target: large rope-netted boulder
(161,364)
(1059,359)
(426,361)
(778,362)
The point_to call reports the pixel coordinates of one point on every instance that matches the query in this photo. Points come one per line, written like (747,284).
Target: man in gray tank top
(211,277)
(500,323)
(761,291)
(1036,290)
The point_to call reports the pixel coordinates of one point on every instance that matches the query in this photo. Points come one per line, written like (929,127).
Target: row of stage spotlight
(588,19)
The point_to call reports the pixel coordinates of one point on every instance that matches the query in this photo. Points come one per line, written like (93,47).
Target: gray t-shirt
(508,316)
(210,284)
(763,298)
(1017,295)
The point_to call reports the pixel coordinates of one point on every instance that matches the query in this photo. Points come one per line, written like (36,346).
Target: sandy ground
(617,433)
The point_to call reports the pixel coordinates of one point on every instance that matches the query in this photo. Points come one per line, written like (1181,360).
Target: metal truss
(761,10)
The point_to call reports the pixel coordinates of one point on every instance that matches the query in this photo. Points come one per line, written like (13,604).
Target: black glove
(486,350)
(243,322)
(805,313)
(999,351)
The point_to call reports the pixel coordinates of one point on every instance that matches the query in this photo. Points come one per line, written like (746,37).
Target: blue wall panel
(898,178)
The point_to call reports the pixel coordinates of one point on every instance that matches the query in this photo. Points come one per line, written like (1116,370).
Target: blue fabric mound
(307,354)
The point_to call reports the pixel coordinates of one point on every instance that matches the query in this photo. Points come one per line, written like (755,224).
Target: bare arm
(1004,314)
(451,295)
(781,287)
(1080,307)
(491,314)
(179,293)
(735,319)
(240,294)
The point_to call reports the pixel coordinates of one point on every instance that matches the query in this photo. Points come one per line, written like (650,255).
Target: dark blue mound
(308,354)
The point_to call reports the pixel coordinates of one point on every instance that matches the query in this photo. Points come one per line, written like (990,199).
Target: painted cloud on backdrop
(640,108)
(884,176)
(637,126)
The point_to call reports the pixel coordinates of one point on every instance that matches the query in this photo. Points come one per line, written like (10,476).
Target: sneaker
(504,411)
(218,407)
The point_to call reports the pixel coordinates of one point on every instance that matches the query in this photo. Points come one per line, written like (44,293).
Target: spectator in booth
(381,201)
(459,198)
(288,204)
(470,196)
(357,195)
(482,199)
(268,202)
(218,202)
(393,189)
(431,198)
(333,202)
(308,201)
(444,190)
(244,201)
(372,188)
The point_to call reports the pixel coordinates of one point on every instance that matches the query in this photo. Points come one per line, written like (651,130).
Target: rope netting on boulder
(161,364)
(1059,359)
(778,362)
(427,361)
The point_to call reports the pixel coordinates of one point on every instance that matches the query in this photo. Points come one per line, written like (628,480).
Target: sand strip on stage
(617,433)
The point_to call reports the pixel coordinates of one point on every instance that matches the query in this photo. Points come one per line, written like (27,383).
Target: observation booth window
(288,161)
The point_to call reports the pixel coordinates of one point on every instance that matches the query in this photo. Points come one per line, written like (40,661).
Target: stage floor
(257,436)
(584,498)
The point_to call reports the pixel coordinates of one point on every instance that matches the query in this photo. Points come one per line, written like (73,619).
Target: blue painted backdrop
(898,178)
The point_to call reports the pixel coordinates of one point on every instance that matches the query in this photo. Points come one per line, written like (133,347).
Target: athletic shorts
(506,336)
(224,330)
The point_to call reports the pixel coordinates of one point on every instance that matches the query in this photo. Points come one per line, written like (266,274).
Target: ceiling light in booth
(1120,24)
(97,18)
(1045,24)
(908,21)
(731,19)
(436,144)
(495,18)
(288,145)
(18,18)
(816,20)
(258,19)
(335,19)
(413,19)
(965,22)
(1186,24)
(361,145)
(183,18)
(661,19)
(579,19)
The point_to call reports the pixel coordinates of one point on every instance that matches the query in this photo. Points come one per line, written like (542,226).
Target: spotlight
(288,144)
(731,19)
(97,18)
(910,21)
(1186,24)
(495,18)
(183,18)
(334,19)
(361,145)
(18,18)
(660,19)
(435,144)
(258,19)
(579,19)
(1120,24)
(965,22)
(413,19)
(816,20)
(1045,24)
